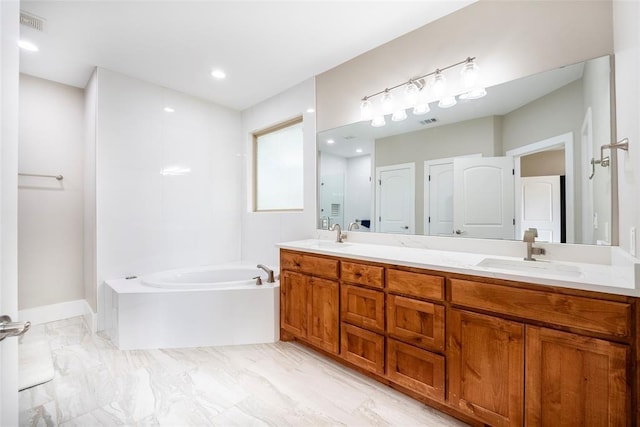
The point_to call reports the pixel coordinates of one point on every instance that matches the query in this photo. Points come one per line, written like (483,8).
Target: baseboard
(60,311)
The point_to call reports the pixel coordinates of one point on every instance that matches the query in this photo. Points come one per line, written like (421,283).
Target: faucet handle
(258,280)
(534,230)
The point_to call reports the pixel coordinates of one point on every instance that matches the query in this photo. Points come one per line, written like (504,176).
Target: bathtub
(192,307)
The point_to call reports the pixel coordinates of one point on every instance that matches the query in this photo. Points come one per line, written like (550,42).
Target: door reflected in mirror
(488,168)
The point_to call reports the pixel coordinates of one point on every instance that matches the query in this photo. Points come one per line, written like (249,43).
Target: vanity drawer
(362,307)
(363,348)
(362,274)
(416,369)
(417,322)
(415,284)
(590,314)
(310,264)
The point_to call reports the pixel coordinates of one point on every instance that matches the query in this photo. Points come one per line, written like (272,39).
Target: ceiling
(263,46)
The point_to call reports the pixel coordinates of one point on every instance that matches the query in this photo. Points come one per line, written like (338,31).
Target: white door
(541,207)
(395,206)
(440,211)
(483,197)
(9,34)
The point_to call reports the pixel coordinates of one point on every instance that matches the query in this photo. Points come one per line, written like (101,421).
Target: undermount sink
(540,267)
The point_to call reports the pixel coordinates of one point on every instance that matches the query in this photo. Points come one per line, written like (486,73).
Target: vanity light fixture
(378,121)
(447,102)
(27,45)
(416,90)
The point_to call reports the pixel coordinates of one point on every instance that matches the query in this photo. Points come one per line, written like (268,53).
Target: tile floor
(282,384)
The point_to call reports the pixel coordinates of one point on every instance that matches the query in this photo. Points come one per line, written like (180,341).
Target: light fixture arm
(419,79)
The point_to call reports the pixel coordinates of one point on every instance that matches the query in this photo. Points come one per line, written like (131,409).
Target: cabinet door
(573,380)
(322,327)
(362,307)
(416,322)
(486,367)
(363,348)
(416,369)
(293,310)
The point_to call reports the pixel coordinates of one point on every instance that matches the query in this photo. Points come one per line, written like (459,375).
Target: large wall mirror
(525,155)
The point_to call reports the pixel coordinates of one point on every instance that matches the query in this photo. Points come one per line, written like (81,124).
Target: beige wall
(470,137)
(511,39)
(554,114)
(50,235)
(545,163)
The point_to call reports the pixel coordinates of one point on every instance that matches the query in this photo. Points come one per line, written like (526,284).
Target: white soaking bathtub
(193,307)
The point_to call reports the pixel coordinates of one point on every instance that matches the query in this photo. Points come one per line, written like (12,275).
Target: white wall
(626,15)
(89,223)
(9,58)
(147,221)
(262,230)
(50,235)
(597,97)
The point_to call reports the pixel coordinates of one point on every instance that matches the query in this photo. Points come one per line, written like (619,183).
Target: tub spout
(270,277)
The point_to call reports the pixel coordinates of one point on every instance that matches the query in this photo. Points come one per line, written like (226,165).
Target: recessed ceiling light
(330,141)
(311,110)
(218,74)
(26,45)
(169,109)
(359,150)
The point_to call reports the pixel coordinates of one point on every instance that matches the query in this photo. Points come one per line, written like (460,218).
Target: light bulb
(447,101)
(470,74)
(439,84)
(387,102)
(366,110)
(421,109)
(474,94)
(399,115)
(411,93)
(378,121)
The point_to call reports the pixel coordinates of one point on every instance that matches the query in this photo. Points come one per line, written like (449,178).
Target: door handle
(459,232)
(406,227)
(12,329)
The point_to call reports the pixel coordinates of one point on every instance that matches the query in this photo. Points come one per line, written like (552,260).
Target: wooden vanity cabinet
(362,315)
(309,305)
(575,380)
(486,365)
(489,351)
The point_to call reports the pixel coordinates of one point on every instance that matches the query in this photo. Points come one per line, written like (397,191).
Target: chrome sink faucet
(270,276)
(530,238)
(339,234)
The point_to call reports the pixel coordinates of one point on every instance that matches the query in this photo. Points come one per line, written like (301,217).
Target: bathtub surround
(96,384)
(50,245)
(167,184)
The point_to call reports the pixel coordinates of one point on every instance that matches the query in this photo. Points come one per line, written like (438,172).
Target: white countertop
(618,278)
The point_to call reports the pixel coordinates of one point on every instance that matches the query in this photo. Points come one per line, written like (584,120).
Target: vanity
(487,339)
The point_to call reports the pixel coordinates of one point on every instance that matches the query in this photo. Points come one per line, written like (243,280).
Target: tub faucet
(339,234)
(353,226)
(530,238)
(270,277)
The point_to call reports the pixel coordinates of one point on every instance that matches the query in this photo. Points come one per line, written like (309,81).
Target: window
(278,171)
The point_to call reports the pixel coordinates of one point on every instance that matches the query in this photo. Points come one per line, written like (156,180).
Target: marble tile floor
(281,384)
